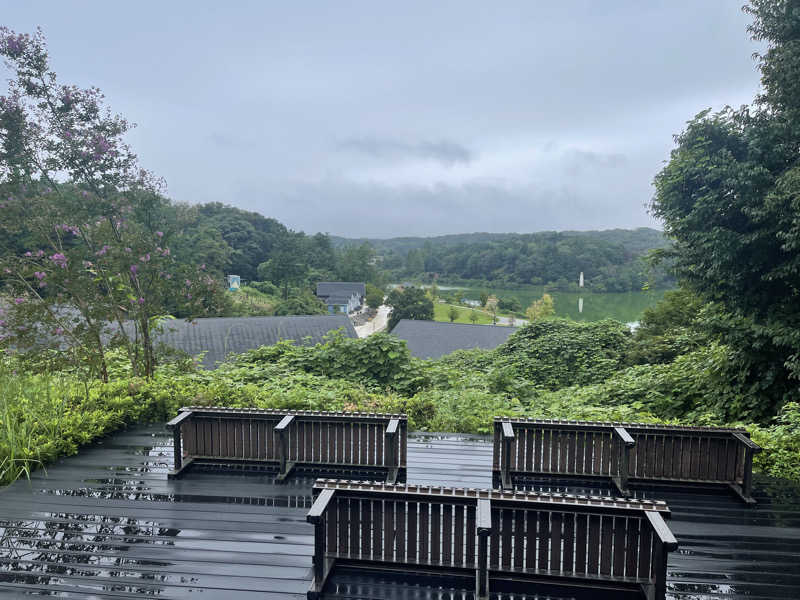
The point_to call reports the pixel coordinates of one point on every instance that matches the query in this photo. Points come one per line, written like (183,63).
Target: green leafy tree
(511,304)
(452,314)
(473,316)
(287,265)
(729,199)
(374,297)
(355,263)
(411,303)
(542,308)
(251,236)
(99,269)
(484,297)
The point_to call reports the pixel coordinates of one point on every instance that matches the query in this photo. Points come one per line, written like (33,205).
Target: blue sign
(234,282)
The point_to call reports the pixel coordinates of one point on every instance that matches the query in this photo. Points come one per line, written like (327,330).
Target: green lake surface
(625,306)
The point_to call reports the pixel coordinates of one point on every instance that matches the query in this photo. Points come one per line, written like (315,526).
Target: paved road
(376,324)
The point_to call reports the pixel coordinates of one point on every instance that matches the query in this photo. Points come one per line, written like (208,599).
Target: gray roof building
(341,289)
(432,339)
(219,336)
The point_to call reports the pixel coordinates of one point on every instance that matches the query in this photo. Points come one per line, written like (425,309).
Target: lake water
(626,306)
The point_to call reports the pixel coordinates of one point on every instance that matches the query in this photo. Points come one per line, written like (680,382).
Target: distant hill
(610,259)
(637,240)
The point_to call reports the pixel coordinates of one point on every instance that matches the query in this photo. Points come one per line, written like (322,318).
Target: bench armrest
(179,419)
(747,442)
(623,435)
(320,504)
(662,531)
(393,425)
(508,430)
(285,422)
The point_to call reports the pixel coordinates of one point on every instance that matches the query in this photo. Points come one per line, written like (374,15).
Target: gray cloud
(228,141)
(577,162)
(443,151)
(367,118)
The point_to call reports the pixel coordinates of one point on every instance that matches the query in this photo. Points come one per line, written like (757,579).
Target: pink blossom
(160,233)
(103,250)
(203,267)
(128,250)
(19,300)
(141,301)
(166,252)
(59,259)
(7,270)
(59,331)
(28,254)
(188,283)
(39,275)
(134,269)
(145,258)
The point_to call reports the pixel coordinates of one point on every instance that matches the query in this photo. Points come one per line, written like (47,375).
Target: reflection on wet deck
(108,524)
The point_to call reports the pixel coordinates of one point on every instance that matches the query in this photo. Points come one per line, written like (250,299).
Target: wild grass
(30,408)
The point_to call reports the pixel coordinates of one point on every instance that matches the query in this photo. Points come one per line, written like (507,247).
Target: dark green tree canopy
(730,199)
(411,303)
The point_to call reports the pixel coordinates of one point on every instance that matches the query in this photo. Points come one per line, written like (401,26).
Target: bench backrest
(570,536)
(572,540)
(308,436)
(687,453)
(587,448)
(548,447)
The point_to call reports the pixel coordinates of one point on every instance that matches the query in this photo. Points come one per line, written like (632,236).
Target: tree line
(612,261)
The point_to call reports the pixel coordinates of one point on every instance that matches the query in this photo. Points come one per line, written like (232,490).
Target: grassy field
(440,313)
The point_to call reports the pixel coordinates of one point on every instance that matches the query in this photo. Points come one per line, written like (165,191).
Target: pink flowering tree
(97,270)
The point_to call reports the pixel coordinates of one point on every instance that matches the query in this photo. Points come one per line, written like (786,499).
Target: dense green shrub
(781,444)
(265,287)
(380,361)
(691,386)
(304,303)
(556,353)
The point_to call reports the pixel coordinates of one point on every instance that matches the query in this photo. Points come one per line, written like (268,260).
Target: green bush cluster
(555,353)
(44,417)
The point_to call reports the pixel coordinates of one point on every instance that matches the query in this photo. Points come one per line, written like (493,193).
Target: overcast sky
(384,119)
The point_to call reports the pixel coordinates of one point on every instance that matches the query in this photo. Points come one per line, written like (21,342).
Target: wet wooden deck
(107,524)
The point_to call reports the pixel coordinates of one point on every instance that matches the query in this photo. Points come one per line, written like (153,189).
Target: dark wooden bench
(331,442)
(624,452)
(491,537)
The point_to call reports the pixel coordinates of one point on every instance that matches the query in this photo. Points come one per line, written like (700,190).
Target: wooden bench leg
(286,470)
(622,488)
(178,473)
(742,494)
(391,475)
